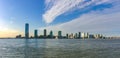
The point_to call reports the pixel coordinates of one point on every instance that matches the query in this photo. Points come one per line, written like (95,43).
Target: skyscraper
(71,36)
(36,34)
(45,33)
(76,36)
(67,36)
(59,34)
(51,34)
(79,35)
(26,30)
(87,35)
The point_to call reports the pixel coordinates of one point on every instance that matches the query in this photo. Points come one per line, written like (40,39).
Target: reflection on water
(32,51)
(63,48)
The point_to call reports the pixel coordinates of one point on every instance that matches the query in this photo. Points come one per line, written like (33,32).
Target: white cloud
(58,7)
(93,23)
(105,22)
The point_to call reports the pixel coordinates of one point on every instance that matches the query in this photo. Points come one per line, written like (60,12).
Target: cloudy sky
(69,16)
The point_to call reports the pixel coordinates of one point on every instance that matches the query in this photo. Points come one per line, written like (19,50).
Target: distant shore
(58,38)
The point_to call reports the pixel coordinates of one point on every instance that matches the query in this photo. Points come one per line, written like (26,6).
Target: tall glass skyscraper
(67,36)
(76,36)
(79,35)
(45,33)
(26,30)
(36,34)
(59,34)
(51,34)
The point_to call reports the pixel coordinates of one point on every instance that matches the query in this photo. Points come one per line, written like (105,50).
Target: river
(59,48)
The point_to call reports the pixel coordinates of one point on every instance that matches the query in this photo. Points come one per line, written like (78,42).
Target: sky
(69,16)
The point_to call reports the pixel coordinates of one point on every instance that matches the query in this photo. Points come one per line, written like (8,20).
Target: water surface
(59,48)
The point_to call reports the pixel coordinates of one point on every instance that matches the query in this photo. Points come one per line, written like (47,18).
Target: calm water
(62,48)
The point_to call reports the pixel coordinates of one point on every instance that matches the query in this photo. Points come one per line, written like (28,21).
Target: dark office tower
(67,36)
(36,34)
(51,34)
(76,35)
(45,33)
(26,30)
(87,35)
(79,35)
(91,36)
(60,34)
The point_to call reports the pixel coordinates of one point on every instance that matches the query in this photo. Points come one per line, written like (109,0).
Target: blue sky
(94,16)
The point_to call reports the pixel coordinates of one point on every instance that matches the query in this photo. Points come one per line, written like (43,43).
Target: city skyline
(51,35)
(93,16)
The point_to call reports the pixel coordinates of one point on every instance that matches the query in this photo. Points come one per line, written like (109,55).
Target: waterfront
(59,48)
